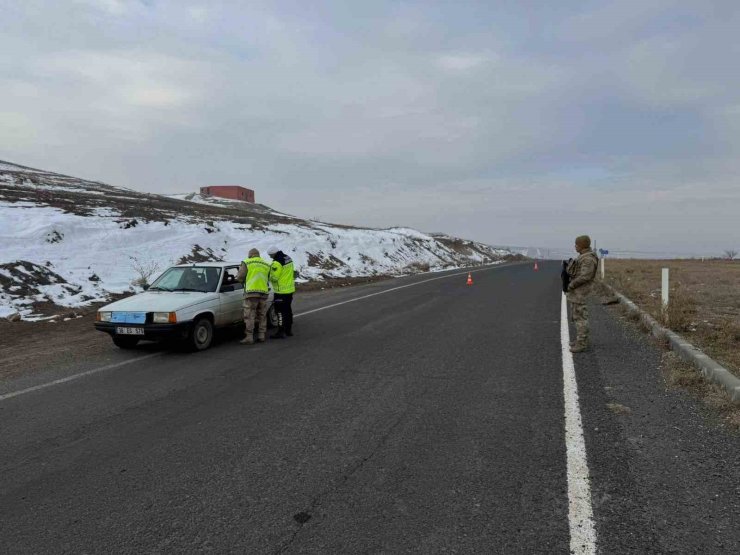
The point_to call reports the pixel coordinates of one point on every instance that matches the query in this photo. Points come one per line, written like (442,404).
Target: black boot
(289,333)
(280,334)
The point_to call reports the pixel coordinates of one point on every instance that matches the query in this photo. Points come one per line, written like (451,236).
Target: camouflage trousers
(255,311)
(579,312)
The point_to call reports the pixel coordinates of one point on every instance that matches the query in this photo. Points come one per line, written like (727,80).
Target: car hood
(159,301)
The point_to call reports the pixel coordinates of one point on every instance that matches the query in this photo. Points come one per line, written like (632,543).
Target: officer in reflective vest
(254,273)
(282,279)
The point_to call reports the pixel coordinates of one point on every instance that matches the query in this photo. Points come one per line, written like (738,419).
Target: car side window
(230,283)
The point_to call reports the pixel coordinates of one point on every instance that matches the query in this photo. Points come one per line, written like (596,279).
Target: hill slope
(69,242)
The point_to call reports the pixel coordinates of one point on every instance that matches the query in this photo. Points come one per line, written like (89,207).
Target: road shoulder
(653,451)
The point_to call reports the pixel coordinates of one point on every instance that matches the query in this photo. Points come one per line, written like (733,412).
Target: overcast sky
(510,121)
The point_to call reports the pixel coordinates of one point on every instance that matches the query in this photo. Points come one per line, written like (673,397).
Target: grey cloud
(502,123)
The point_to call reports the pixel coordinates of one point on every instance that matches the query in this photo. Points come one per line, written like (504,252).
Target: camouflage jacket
(582,272)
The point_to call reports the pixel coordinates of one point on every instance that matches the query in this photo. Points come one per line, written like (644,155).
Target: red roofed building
(233,192)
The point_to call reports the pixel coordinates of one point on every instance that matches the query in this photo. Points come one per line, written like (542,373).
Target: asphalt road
(425,420)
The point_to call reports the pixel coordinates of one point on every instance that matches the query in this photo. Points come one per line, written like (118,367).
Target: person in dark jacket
(282,279)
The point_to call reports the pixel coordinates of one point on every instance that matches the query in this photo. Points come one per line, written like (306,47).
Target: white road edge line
(580,512)
(73,377)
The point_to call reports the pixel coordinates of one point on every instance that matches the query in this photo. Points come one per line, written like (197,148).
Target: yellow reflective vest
(282,276)
(258,275)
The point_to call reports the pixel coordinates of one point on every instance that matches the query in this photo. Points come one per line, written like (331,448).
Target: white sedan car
(187,302)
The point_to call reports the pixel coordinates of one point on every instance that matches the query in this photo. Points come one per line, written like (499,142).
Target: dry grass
(679,373)
(704,300)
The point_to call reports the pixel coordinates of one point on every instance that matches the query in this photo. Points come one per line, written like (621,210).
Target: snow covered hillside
(68,242)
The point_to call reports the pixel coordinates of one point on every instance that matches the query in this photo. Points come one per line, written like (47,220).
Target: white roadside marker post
(664,295)
(603,261)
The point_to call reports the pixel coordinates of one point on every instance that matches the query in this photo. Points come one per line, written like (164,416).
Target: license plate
(129,331)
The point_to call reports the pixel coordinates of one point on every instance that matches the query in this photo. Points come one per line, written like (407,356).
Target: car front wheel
(125,342)
(201,335)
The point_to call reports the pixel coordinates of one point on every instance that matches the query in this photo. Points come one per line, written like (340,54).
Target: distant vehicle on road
(186,302)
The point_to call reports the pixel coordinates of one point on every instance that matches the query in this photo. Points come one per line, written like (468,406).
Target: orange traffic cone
(535,266)
(470,279)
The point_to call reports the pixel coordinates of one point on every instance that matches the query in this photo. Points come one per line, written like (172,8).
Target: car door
(231,296)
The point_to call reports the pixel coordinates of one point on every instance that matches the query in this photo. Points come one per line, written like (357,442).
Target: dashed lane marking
(74,377)
(580,513)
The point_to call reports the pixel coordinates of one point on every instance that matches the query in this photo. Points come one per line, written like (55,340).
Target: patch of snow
(96,246)
(209,200)
(6,308)
(57,188)
(105,213)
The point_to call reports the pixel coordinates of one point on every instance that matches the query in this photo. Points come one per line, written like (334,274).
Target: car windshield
(193,278)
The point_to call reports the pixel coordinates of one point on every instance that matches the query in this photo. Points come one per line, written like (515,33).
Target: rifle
(564,275)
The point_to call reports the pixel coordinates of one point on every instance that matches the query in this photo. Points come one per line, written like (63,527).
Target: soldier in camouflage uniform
(582,272)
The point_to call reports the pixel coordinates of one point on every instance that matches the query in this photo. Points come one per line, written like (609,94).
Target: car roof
(208,264)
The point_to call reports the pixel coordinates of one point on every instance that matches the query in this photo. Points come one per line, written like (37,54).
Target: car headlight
(164,317)
(104,316)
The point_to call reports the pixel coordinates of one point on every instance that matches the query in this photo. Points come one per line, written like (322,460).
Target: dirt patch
(30,346)
(705,300)
(21,278)
(616,408)
(67,337)
(199,254)
(468,248)
(324,261)
(368,260)
(21,281)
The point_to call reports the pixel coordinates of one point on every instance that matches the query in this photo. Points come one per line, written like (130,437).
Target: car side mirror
(145,286)
(227,288)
